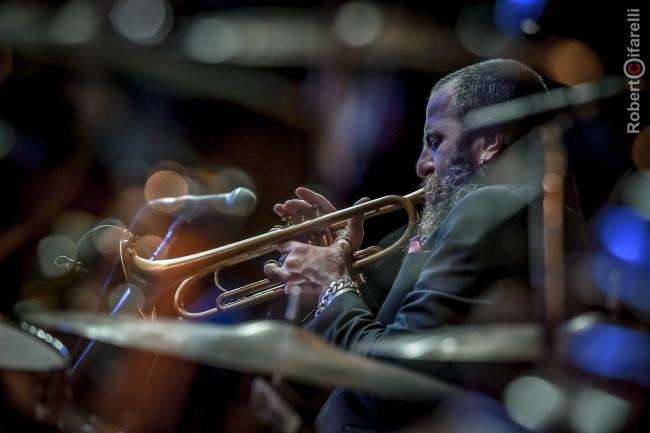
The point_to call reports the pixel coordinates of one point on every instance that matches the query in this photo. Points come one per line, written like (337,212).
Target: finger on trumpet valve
(322,235)
(308,238)
(269,268)
(287,220)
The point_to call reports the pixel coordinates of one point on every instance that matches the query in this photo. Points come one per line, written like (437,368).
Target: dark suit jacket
(483,241)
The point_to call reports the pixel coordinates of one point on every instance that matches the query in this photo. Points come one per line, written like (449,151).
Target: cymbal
(30,349)
(464,343)
(261,347)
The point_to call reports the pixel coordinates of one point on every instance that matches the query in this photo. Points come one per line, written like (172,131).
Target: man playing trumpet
(470,237)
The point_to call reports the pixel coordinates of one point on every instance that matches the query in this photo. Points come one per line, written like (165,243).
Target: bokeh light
(147,244)
(225,179)
(165,183)
(596,411)
(142,21)
(75,23)
(51,247)
(572,62)
(621,269)
(613,352)
(549,401)
(127,203)
(212,40)
(73,224)
(29,305)
(478,33)
(253,36)
(510,15)
(622,280)
(194,187)
(626,234)
(358,23)
(530,27)
(107,240)
(635,192)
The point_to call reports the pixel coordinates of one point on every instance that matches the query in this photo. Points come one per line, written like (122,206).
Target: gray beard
(442,194)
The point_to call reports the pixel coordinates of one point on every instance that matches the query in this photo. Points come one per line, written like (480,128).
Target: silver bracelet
(335,289)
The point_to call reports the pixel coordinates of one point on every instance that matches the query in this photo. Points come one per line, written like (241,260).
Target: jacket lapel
(405,281)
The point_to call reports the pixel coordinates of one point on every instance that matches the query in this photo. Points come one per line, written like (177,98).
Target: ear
(487,147)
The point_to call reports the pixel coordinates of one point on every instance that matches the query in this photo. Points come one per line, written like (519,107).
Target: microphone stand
(237,198)
(86,351)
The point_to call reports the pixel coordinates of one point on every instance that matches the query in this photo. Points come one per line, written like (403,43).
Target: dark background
(92,121)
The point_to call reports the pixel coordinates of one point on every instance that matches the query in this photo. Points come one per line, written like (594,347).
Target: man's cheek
(441,165)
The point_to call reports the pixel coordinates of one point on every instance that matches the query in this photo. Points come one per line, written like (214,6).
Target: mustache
(443,193)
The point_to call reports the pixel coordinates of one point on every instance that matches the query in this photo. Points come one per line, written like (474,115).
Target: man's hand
(308,198)
(310,267)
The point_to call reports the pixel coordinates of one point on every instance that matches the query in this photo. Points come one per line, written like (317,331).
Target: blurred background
(106,104)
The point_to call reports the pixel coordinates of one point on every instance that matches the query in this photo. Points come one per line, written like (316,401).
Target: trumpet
(185,271)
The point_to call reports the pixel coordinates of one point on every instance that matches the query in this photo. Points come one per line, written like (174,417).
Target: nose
(424,166)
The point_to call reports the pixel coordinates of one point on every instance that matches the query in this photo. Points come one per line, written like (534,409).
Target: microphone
(238,202)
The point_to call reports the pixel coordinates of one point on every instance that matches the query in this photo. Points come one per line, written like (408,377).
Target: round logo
(634,68)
